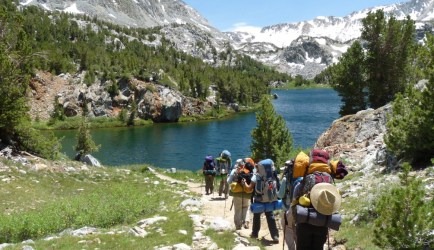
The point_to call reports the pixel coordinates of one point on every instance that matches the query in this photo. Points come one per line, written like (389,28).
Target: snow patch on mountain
(73,9)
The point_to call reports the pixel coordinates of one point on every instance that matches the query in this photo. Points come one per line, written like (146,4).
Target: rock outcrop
(155,102)
(359,138)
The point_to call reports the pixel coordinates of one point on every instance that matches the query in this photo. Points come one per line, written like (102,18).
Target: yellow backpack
(301,162)
(305,164)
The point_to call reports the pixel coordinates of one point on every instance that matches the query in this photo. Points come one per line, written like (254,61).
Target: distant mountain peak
(342,29)
(135,13)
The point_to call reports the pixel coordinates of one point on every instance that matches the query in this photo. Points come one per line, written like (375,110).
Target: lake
(308,113)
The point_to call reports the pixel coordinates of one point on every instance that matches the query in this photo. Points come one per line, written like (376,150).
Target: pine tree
(13,80)
(16,65)
(390,44)
(410,130)
(271,138)
(133,113)
(405,218)
(348,79)
(373,78)
(85,144)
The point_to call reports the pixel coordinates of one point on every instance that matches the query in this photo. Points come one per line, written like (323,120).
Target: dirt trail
(215,206)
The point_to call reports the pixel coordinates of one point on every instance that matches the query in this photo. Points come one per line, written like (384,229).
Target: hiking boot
(246,225)
(255,236)
(275,239)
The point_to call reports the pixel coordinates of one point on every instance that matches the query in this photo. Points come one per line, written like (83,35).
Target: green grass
(123,240)
(311,85)
(183,175)
(356,236)
(225,240)
(74,123)
(38,204)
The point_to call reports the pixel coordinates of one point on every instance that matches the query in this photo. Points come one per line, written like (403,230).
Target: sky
(228,15)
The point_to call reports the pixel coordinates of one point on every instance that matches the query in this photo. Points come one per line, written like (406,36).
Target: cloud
(244,27)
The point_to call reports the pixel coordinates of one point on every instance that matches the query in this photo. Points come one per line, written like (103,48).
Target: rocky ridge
(155,102)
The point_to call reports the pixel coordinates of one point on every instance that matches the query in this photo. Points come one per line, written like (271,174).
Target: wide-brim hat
(325,198)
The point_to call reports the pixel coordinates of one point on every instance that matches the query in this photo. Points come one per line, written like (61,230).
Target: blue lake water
(308,113)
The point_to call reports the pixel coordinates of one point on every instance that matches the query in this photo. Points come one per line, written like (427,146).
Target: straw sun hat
(325,198)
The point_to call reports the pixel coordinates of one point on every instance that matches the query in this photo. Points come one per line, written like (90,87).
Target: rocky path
(215,206)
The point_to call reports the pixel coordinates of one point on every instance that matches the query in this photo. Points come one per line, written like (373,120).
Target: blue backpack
(266,187)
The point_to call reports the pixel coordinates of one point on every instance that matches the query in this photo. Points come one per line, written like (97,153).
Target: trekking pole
(202,186)
(224,212)
(214,186)
(284,229)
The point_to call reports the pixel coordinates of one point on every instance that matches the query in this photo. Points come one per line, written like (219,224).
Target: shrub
(405,219)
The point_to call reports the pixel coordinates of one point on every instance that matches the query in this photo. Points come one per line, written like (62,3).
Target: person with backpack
(241,195)
(209,172)
(264,200)
(286,192)
(224,164)
(316,199)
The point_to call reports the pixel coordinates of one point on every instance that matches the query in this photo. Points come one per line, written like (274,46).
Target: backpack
(288,184)
(223,166)
(225,154)
(266,182)
(318,160)
(209,166)
(245,172)
(310,180)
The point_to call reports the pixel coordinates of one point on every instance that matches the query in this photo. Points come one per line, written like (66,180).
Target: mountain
(135,13)
(183,25)
(303,48)
(307,47)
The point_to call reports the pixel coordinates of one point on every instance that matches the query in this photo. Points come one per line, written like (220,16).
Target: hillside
(106,68)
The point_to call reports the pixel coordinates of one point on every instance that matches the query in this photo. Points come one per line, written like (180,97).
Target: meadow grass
(168,236)
(225,240)
(39,204)
(183,175)
(75,122)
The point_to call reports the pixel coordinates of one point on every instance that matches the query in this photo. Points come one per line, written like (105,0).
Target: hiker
(265,185)
(224,164)
(316,199)
(209,171)
(286,192)
(241,195)
(326,200)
